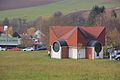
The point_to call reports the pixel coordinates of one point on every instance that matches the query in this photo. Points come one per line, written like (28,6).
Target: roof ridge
(101,32)
(60,34)
(54,32)
(68,34)
(87,35)
(96,32)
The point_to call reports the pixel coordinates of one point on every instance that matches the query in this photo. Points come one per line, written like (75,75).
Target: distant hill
(46,9)
(14,4)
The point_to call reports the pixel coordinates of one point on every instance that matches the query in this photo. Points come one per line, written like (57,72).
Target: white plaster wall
(93,53)
(73,53)
(101,54)
(54,54)
(81,53)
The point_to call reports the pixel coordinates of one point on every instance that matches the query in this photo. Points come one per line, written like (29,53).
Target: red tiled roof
(68,34)
(37,43)
(60,30)
(74,34)
(1,29)
(94,31)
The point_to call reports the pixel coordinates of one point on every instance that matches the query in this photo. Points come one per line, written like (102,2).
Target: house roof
(93,31)
(39,33)
(60,31)
(1,29)
(70,33)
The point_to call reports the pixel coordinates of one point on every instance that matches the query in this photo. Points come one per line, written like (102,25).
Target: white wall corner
(56,55)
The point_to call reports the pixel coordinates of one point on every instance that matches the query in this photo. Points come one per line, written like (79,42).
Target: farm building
(39,40)
(77,42)
(1,30)
(6,40)
(9,41)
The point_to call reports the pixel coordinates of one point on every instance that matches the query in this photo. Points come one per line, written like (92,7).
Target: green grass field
(38,66)
(66,6)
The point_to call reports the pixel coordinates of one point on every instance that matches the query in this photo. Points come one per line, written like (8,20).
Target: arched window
(56,47)
(98,48)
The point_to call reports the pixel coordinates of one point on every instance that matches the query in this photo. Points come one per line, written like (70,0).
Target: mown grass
(66,6)
(38,66)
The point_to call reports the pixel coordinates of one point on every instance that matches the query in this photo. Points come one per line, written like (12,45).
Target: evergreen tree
(96,10)
(6,22)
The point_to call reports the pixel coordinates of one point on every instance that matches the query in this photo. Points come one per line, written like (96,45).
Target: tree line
(97,16)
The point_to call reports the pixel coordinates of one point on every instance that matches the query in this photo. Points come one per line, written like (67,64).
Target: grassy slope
(37,66)
(65,6)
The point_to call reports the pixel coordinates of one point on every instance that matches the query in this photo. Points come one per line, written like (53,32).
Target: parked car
(41,47)
(28,49)
(117,56)
(2,49)
(13,49)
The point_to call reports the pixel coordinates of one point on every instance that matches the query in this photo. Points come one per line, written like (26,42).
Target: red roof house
(1,29)
(77,41)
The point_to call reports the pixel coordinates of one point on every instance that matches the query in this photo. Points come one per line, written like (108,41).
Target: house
(77,42)
(1,30)
(39,36)
(6,40)
(9,42)
(38,39)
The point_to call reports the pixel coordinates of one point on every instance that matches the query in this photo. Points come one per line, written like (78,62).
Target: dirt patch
(14,4)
